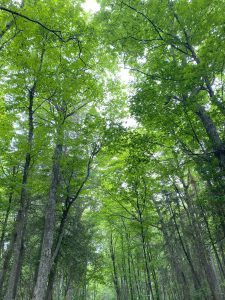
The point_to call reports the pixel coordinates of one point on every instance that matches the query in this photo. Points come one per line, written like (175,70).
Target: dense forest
(112,150)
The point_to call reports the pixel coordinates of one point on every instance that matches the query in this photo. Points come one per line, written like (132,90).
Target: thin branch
(72,199)
(9,39)
(154,76)
(57,33)
(158,30)
(76,109)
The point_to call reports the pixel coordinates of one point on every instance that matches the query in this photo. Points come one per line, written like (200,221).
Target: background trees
(94,209)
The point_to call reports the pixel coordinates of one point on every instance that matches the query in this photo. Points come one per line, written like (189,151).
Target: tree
(90,207)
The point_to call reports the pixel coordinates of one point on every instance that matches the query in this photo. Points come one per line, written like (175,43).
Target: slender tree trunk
(137,280)
(221,268)
(154,275)
(47,242)
(149,281)
(5,265)
(115,275)
(179,275)
(129,262)
(5,222)
(21,220)
(69,292)
(60,235)
(196,280)
(55,256)
(5,255)
(202,252)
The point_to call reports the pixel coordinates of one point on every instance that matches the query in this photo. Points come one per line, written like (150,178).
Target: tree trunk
(60,235)
(47,242)
(183,284)
(201,251)
(5,222)
(115,275)
(211,130)
(196,280)
(21,220)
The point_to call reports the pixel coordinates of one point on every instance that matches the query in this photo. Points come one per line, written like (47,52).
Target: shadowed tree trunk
(47,242)
(20,225)
(115,275)
(69,201)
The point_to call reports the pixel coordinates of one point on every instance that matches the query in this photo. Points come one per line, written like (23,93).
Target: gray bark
(211,130)
(20,225)
(47,242)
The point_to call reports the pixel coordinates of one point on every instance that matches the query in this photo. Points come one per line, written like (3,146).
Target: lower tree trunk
(5,222)
(5,265)
(47,242)
(69,292)
(20,225)
(17,256)
(115,275)
(150,293)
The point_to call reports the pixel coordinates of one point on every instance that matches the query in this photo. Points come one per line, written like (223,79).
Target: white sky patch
(90,6)
(125,75)
(127,79)
(129,122)
(17,2)
(217,84)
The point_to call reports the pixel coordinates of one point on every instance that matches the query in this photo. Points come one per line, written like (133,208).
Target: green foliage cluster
(91,208)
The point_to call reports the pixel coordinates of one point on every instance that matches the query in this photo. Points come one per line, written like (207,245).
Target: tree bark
(47,242)
(211,130)
(5,222)
(21,220)
(69,201)
(115,275)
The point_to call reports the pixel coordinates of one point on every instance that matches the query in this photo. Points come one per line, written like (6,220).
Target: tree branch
(57,33)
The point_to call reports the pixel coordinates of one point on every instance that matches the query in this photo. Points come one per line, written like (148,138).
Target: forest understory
(112,150)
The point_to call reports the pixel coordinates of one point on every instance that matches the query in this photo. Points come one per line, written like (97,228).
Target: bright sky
(91,6)
(130,122)
(125,75)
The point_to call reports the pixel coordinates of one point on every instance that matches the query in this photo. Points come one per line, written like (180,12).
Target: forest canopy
(112,150)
